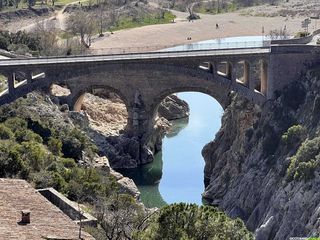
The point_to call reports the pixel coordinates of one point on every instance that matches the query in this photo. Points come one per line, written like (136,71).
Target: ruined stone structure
(143,80)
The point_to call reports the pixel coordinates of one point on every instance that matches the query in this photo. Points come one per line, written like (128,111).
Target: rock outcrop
(262,168)
(173,108)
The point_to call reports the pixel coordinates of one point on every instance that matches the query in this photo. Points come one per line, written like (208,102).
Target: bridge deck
(131,56)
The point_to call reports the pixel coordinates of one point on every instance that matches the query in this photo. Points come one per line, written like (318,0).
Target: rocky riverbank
(264,164)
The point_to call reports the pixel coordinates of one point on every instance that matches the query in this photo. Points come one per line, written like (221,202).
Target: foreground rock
(249,164)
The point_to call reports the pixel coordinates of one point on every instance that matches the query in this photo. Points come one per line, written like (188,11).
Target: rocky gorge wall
(263,165)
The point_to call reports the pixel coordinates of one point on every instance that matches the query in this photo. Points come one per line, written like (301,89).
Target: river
(176,174)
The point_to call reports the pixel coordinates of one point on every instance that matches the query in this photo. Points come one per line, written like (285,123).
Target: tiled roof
(46,220)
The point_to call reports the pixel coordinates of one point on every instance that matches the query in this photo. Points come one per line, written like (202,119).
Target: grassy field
(128,22)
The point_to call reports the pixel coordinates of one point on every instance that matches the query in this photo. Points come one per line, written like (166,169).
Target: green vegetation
(294,135)
(132,22)
(189,221)
(34,149)
(21,42)
(209,8)
(306,161)
(301,34)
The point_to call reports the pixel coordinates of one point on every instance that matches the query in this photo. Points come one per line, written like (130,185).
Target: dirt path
(57,21)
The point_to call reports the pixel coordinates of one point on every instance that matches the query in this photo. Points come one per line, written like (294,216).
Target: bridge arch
(159,98)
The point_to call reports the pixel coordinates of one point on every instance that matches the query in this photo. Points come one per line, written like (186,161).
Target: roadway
(131,56)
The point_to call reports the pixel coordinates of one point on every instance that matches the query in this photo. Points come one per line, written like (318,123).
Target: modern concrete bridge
(143,80)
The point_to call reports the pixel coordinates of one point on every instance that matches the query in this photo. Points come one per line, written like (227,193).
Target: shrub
(301,34)
(294,135)
(306,161)
(68,162)
(74,142)
(26,135)
(16,124)
(11,163)
(55,146)
(39,128)
(5,132)
(34,153)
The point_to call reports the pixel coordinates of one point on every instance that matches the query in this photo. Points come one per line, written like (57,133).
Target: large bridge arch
(158,99)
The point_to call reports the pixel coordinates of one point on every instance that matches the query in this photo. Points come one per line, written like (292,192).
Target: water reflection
(177,126)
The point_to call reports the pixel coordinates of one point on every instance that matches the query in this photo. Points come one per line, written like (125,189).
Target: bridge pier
(29,77)
(233,70)
(11,80)
(140,126)
(229,72)
(264,77)
(246,73)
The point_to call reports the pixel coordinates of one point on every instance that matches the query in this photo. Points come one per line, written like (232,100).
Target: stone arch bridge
(143,80)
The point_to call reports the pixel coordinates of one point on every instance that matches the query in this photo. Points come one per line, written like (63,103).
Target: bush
(74,142)
(294,135)
(306,161)
(33,153)
(26,135)
(5,132)
(16,124)
(55,146)
(301,34)
(11,163)
(68,162)
(40,128)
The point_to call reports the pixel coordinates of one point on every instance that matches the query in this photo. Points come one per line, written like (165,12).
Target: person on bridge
(217,26)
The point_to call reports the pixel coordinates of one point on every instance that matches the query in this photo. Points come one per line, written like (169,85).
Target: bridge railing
(186,47)
(127,56)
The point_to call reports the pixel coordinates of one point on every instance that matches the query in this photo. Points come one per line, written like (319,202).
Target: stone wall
(70,208)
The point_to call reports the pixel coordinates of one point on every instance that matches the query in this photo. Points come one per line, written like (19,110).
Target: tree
(189,7)
(105,16)
(189,221)
(48,39)
(118,215)
(83,24)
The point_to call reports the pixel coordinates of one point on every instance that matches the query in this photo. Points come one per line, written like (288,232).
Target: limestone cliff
(264,164)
